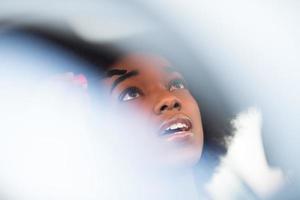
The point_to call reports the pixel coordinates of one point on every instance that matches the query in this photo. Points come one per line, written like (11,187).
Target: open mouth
(177,125)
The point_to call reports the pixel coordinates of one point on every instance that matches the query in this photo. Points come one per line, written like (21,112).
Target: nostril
(176,105)
(164,107)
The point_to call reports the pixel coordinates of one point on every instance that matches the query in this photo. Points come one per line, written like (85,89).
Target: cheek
(142,106)
(194,108)
(189,103)
(146,106)
(191,108)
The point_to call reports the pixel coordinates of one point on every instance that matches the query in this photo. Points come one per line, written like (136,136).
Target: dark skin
(149,83)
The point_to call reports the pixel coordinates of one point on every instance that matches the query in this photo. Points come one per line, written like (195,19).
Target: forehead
(144,63)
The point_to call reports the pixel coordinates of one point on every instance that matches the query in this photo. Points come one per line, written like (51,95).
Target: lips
(179,126)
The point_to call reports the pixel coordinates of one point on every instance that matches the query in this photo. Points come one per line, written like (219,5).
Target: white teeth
(176,126)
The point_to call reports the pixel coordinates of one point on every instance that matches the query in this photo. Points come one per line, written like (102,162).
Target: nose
(167,102)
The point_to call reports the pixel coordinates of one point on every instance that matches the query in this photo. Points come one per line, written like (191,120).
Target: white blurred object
(96,21)
(245,163)
(55,144)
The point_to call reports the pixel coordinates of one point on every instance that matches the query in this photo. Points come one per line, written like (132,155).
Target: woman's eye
(130,94)
(176,84)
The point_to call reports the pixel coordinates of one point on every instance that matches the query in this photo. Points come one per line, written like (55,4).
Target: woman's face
(149,83)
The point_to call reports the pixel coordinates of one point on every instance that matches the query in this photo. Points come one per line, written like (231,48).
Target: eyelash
(126,93)
(178,83)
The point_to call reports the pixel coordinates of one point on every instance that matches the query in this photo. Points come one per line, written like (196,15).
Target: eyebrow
(123,78)
(113,72)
